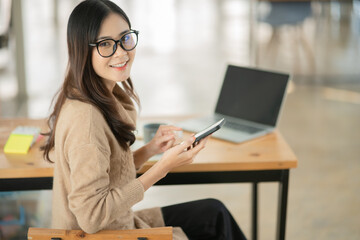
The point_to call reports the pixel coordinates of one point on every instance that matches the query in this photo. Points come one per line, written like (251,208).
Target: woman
(91,129)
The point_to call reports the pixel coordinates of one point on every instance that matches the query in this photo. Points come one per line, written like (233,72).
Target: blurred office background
(181,59)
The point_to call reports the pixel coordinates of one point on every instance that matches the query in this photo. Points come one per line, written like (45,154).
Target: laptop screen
(252,94)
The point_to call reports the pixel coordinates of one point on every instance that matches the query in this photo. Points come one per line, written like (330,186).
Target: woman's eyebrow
(107,37)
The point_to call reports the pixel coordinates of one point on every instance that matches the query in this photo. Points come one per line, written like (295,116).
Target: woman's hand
(163,139)
(181,154)
(176,156)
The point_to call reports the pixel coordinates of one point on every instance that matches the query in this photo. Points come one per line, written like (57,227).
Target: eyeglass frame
(117,42)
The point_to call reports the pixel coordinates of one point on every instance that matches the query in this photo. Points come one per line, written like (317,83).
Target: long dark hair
(81,82)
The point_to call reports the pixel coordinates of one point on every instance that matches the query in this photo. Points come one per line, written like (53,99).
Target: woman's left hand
(163,139)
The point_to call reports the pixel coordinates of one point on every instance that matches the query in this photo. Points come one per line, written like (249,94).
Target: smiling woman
(91,131)
(88,76)
(114,63)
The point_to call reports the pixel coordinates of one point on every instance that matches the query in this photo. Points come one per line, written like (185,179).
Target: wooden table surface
(270,152)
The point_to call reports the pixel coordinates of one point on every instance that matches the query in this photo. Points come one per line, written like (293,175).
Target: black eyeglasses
(107,47)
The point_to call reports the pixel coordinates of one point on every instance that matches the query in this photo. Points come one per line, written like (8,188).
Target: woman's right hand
(181,154)
(176,156)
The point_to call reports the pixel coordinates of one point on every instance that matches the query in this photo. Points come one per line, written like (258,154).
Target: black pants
(203,219)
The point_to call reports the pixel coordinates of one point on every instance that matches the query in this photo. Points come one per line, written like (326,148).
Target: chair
(162,233)
(291,14)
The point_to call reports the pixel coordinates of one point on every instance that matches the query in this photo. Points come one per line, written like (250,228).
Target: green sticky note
(17,143)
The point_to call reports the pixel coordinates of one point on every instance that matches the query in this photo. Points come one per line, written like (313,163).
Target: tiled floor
(184,46)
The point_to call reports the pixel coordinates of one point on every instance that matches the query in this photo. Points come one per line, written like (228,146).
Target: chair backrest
(163,233)
(287,12)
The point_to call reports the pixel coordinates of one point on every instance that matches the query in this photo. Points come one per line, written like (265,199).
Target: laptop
(250,100)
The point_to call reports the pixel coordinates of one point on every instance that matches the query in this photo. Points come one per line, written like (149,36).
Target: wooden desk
(266,159)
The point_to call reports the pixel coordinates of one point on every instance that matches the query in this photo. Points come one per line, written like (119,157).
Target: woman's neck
(109,84)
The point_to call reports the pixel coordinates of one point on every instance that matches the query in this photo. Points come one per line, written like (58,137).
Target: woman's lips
(119,66)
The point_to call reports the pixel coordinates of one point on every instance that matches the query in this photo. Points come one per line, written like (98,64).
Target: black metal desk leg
(283,195)
(254,210)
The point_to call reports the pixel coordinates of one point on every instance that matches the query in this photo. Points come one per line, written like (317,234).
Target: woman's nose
(119,51)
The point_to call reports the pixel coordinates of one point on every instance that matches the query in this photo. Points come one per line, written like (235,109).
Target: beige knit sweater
(95,182)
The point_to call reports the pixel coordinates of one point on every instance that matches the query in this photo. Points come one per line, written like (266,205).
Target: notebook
(250,100)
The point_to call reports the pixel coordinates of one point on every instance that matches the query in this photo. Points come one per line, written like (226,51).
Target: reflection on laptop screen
(252,94)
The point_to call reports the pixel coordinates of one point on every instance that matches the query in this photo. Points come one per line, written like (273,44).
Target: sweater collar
(124,103)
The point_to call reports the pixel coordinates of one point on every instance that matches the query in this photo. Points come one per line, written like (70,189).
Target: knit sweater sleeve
(94,204)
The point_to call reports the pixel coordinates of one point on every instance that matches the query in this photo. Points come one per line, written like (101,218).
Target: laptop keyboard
(241,127)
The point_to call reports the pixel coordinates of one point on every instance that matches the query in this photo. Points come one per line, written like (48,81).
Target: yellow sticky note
(17,143)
